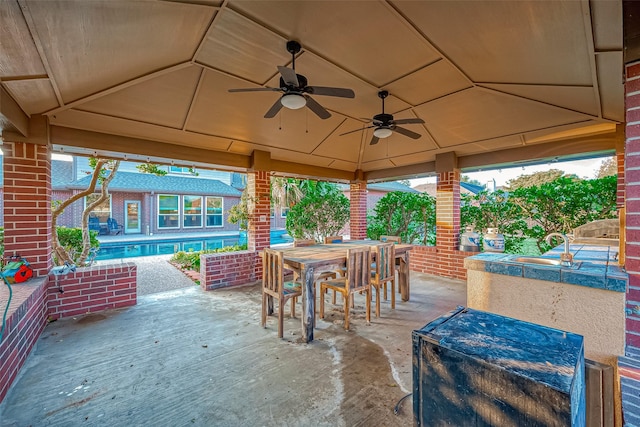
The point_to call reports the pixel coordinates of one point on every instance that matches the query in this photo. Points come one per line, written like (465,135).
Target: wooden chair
(384,272)
(322,276)
(333,239)
(297,243)
(394,239)
(274,286)
(356,279)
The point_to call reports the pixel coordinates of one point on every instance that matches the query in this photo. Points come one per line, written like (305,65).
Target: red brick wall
(358,221)
(620,188)
(23,327)
(632,190)
(223,270)
(92,289)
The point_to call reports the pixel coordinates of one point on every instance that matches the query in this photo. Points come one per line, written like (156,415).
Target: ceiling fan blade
(275,108)
(257,89)
(357,130)
(289,76)
(407,121)
(317,108)
(374,140)
(330,91)
(406,132)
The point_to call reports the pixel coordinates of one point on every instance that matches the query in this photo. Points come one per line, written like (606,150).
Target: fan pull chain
(280,119)
(306,124)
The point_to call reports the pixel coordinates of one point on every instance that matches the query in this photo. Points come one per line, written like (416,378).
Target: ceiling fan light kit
(382,132)
(296,91)
(293,101)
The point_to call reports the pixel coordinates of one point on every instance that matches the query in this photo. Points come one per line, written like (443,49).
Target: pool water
(118,250)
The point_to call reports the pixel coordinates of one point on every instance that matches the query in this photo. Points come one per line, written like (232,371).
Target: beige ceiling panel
(577,98)
(577,130)
(240,116)
(346,147)
(611,83)
(477,114)
(162,100)
(343,165)
(377,165)
(246,148)
(397,145)
(489,145)
(105,124)
(607,24)
(362,37)
(539,42)
(436,80)
(16,42)
(414,158)
(35,96)
(95,45)
(243,48)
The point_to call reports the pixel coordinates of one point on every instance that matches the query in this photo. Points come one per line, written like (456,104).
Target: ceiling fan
(295,92)
(385,125)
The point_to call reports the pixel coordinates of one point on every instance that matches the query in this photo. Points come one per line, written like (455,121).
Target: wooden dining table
(310,261)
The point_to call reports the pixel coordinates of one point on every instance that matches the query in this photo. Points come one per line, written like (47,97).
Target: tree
(322,212)
(239,214)
(608,167)
(285,192)
(104,171)
(537,178)
(408,215)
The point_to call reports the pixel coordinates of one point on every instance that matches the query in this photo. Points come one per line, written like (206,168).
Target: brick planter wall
(23,327)
(92,289)
(229,269)
(439,262)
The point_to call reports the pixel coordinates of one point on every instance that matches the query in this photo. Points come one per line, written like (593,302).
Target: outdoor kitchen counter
(587,298)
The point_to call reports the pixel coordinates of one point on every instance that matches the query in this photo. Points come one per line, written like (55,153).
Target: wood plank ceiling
(484,76)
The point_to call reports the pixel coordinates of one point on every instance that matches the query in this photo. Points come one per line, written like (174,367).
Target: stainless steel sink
(536,260)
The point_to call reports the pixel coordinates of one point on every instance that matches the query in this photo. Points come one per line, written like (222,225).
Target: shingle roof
(142,182)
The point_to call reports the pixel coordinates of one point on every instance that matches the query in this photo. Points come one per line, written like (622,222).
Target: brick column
(258,232)
(27,204)
(358,221)
(447,211)
(620,188)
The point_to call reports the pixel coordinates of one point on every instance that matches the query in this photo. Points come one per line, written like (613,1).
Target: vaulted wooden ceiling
(494,81)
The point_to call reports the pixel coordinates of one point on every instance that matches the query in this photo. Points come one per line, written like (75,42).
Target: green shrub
(191,260)
(71,240)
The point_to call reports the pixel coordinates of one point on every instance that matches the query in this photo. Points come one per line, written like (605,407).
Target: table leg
(403,277)
(308,305)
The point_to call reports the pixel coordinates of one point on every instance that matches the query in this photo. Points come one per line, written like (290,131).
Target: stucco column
(358,221)
(447,203)
(27,203)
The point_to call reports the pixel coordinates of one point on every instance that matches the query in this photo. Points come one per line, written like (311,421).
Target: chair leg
(322,302)
(333,301)
(263,319)
(346,298)
(293,307)
(281,319)
(368,317)
(393,293)
(377,301)
(385,291)
(269,305)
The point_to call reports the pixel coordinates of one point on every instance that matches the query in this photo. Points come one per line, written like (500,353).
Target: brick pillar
(27,204)
(620,189)
(258,188)
(447,211)
(632,192)
(358,221)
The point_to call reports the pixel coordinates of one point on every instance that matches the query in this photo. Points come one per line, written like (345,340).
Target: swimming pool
(118,250)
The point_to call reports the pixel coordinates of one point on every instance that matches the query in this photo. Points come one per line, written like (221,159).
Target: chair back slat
(385,261)
(393,239)
(358,268)
(333,239)
(272,271)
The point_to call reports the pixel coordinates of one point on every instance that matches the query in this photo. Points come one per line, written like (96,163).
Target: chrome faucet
(566,258)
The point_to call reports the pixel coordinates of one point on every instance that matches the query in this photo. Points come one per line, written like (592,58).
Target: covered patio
(475,84)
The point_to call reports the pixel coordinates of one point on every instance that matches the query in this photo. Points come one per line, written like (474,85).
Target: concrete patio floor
(189,357)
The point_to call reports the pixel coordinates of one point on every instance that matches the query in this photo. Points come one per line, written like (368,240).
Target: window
(180,170)
(103,210)
(168,211)
(214,211)
(284,212)
(273,212)
(192,211)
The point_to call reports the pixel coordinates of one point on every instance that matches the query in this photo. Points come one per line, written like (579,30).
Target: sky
(582,168)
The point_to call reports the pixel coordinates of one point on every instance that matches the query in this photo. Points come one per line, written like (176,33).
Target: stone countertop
(593,266)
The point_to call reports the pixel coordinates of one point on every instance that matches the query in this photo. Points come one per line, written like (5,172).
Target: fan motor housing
(302,80)
(383,118)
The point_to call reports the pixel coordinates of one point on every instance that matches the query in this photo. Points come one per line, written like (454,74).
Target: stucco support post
(358,200)
(447,203)
(27,203)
